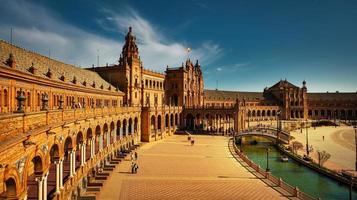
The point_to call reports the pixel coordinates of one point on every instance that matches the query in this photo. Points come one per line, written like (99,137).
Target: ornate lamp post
(277,125)
(267,168)
(307,141)
(355,127)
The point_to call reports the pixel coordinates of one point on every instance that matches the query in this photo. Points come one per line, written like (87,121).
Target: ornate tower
(130,61)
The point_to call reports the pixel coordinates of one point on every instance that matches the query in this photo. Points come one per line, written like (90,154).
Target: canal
(295,174)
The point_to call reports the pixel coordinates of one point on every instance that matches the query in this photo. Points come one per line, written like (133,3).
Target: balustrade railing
(25,122)
(294,191)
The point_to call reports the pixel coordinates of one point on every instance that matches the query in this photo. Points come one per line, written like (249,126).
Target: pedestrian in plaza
(136,155)
(132,167)
(132,156)
(136,168)
(323,138)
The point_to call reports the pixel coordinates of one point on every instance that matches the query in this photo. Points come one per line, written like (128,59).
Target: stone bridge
(281,136)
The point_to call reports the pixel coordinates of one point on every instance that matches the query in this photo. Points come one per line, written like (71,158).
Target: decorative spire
(130,48)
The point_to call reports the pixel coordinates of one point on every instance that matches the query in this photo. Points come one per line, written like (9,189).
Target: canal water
(295,174)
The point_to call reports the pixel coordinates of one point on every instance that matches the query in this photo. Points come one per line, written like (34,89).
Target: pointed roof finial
(129,29)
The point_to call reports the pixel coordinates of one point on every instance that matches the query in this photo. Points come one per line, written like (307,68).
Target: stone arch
(253,113)
(105,134)
(10,188)
(176,119)
(153,123)
(51,180)
(258,113)
(112,127)
(130,126)
(268,113)
(189,121)
(172,119)
(167,120)
(136,124)
(38,169)
(118,129)
(174,100)
(98,132)
(88,143)
(125,124)
(159,123)
(263,113)
(68,146)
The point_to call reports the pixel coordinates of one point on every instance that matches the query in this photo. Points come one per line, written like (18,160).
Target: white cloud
(156,50)
(236,67)
(39,29)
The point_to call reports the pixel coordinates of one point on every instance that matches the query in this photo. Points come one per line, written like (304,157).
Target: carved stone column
(40,187)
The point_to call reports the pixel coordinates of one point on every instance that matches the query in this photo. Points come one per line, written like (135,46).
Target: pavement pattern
(173,169)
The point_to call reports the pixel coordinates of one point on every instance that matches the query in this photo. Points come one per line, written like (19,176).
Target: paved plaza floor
(173,169)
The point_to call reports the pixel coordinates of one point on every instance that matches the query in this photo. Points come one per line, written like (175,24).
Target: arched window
(38,99)
(28,99)
(6,98)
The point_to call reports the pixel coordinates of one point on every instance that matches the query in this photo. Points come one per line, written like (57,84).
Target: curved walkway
(173,169)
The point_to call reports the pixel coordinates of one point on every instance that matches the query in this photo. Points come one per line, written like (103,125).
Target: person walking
(323,138)
(136,168)
(132,156)
(132,167)
(136,155)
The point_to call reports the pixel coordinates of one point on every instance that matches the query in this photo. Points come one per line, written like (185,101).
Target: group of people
(134,165)
(191,140)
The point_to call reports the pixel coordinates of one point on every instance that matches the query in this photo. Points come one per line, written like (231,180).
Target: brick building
(61,125)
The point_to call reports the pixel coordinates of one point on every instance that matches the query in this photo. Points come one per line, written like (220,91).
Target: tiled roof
(333,96)
(42,64)
(284,84)
(232,95)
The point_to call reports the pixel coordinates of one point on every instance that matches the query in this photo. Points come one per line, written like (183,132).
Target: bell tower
(130,61)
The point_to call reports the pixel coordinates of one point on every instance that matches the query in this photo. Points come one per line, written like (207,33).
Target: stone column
(100,142)
(121,132)
(114,135)
(85,152)
(57,163)
(39,187)
(61,174)
(82,147)
(45,187)
(92,145)
(127,129)
(71,163)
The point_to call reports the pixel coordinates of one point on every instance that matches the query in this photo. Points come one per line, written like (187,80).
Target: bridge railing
(294,191)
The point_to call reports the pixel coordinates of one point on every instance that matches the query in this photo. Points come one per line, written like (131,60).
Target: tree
(296,146)
(322,157)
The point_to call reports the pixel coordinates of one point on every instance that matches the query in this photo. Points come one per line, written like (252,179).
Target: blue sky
(244,45)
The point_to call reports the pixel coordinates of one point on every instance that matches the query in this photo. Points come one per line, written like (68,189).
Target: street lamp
(307,141)
(277,125)
(267,168)
(355,127)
